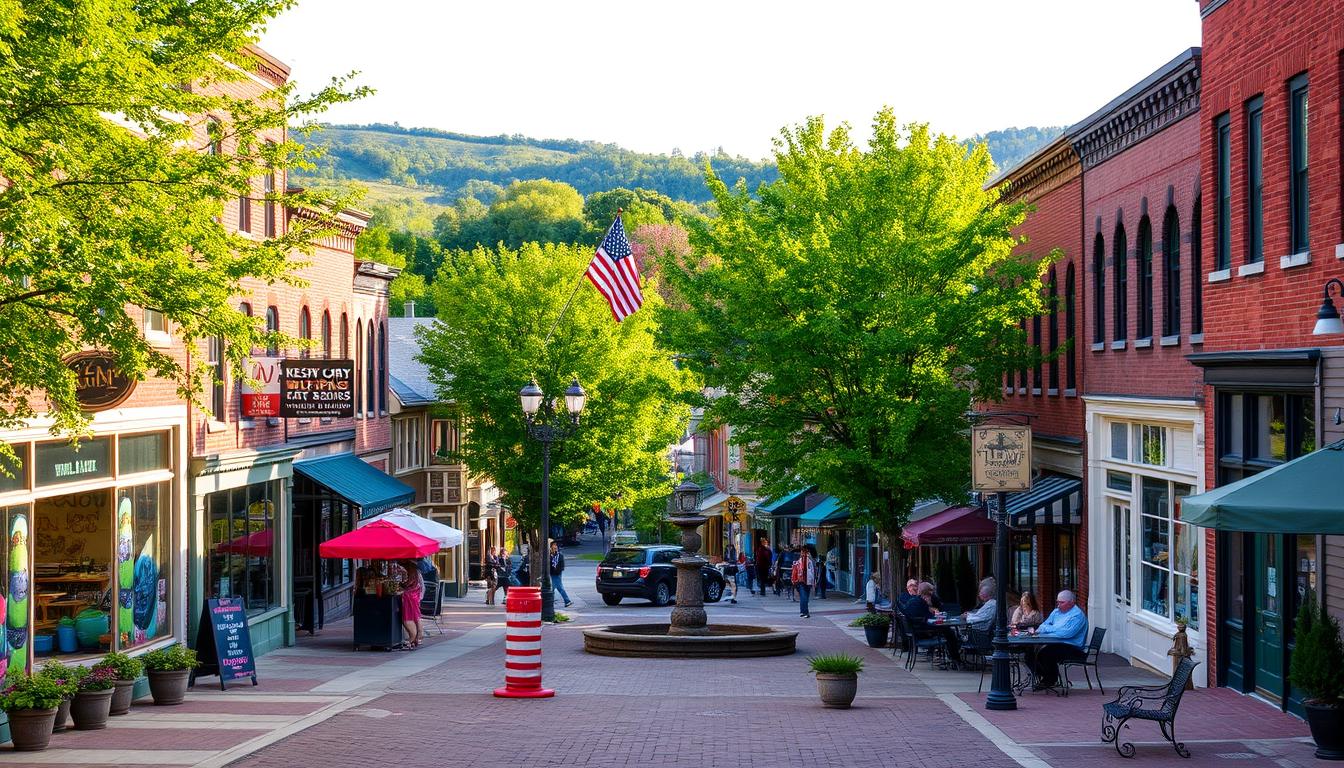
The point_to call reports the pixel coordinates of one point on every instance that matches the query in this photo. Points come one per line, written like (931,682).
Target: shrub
(836,664)
(126,667)
(1317,665)
(97,679)
(171,658)
(871,620)
(31,692)
(65,677)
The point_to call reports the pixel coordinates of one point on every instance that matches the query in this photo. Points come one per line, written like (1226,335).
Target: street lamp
(546,426)
(687,497)
(1327,317)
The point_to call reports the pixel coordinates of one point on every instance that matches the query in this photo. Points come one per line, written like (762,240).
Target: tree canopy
(848,314)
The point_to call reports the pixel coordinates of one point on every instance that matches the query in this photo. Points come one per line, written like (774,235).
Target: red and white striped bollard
(522,646)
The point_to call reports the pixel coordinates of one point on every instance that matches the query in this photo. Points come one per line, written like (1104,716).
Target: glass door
(1122,576)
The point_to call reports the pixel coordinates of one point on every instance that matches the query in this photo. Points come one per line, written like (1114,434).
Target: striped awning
(1054,499)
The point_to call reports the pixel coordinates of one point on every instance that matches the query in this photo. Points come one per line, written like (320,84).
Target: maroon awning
(954,525)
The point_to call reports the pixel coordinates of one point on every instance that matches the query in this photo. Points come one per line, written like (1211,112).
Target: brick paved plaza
(322,704)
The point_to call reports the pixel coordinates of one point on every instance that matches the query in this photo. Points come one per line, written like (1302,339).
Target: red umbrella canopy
(379,540)
(255,544)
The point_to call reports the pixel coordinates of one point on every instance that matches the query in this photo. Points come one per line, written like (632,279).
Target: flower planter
(30,729)
(62,715)
(876,635)
(121,697)
(837,691)
(169,686)
(90,709)
(1327,730)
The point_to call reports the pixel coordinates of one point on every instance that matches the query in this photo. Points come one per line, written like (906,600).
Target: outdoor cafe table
(1032,644)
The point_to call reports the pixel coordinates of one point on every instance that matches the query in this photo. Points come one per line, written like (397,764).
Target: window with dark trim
(218,373)
(268,189)
(1040,352)
(1119,256)
(1066,562)
(1222,231)
(345,336)
(245,212)
(382,368)
(1255,217)
(1197,267)
(359,365)
(1099,290)
(1259,430)
(305,331)
(326,334)
(1053,381)
(1143,263)
(1299,197)
(1022,374)
(370,363)
(1171,273)
(272,326)
(1070,366)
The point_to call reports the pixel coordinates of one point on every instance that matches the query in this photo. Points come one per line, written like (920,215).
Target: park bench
(1155,702)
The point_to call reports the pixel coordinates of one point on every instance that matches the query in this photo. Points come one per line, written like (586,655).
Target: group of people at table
(1059,637)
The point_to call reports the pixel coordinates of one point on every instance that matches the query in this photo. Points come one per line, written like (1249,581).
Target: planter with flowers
(68,680)
(93,698)
(127,670)
(168,669)
(31,702)
(876,627)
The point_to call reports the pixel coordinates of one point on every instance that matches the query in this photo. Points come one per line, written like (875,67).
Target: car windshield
(624,557)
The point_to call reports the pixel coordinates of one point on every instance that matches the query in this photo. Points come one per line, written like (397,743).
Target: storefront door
(1122,577)
(1270,604)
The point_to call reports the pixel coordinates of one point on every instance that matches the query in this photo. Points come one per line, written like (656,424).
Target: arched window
(1171,273)
(1099,291)
(218,375)
(345,337)
(272,326)
(1119,255)
(1053,381)
(1196,270)
(1040,351)
(1070,369)
(305,331)
(382,368)
(245,308)
(1022,374)
(1143,262)
(359,363)
(214,137)
(370,387)
(326,334)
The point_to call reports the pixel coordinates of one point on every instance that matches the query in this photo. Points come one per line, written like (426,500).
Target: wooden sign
(223,644)
(263,399)
(1001,458)
(99,385)
(317,388)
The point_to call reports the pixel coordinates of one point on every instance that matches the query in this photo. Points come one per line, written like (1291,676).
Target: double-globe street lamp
(546,426)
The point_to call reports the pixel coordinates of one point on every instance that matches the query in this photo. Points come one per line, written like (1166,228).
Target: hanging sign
(1001,458)
(264,398)
(317,388)
(735,509)
(99,384)
(223,644)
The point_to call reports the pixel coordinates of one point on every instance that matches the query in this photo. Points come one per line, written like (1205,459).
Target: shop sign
(317,388)
(57,463)
(1001,458)
(509,522)
(224,646)
(99,384)
(735,509)
(264,398)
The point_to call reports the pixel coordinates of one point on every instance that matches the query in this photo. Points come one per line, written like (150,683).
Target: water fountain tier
(688,617)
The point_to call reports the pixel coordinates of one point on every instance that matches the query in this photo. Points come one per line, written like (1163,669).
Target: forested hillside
(1011,146)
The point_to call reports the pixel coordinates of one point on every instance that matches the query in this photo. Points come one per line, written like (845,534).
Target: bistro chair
(930,643)
(1090,660)
(977,650)
(431,604)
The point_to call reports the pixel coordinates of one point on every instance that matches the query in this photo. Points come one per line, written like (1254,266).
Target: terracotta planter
(168,687)
(62,714)
(121,697)
(877,635)
(30,729)
(89,710)
(837,691)
(1327,730)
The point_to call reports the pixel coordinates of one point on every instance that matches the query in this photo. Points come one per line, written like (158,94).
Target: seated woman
(1027,614)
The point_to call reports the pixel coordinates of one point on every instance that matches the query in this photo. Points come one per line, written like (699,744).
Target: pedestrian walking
(491,575)
(804,576)
(558,571)
(730,572)
(764,558)
(504,570)
(748,571)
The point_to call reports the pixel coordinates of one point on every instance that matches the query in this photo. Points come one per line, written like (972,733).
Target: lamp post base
(547,602)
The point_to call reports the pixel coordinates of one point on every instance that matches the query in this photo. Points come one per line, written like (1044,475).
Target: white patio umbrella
(446,535)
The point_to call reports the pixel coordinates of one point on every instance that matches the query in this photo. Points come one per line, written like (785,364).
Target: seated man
(918,607)
(911,591)
(983,617)
(1067,622)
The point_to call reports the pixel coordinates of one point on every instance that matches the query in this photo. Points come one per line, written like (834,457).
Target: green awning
(1301,496)
(830,511)
(788,505)
(357,481)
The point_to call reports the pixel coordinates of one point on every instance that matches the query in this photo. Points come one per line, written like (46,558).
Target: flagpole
(570,300)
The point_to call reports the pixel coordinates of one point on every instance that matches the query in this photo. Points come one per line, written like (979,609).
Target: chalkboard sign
(223,644)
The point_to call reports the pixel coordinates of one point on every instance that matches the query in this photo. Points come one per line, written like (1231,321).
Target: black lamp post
(1001,682)
(546,426)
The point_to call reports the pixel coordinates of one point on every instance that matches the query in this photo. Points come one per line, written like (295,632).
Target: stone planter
(30,729)
(121,697)
(837,691)
(169,686)
(89,710)
(1327,730)
(876,634)
(62,714)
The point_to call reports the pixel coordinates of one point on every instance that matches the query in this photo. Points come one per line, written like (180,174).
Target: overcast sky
(696,75)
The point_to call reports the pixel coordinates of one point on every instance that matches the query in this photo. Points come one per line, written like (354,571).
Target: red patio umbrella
(255,544)
(379,540)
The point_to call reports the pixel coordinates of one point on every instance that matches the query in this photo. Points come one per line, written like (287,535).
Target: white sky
(696,75)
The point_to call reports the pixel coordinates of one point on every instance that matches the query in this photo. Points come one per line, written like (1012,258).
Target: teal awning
(830,511)
(788,505)
(357,481)
(1301,496)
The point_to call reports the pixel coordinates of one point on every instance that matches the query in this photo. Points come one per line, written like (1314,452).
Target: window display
(1170,552)
(242,546)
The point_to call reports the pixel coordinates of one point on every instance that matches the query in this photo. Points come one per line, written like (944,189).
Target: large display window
(242,544)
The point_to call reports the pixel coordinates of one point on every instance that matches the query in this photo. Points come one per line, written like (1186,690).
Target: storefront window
(242,546)
(1119,481)
(1185,569)
(142,453)
(1065,563)
(144,564)
(14,584)
(60,462)
(1022,565)
(1306,569)
(1170,570)
(1120,442)
(17,477)
(1150,445)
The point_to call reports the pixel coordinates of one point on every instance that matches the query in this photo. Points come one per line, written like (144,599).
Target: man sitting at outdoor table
(983,617)
(911,592)
(1067,623)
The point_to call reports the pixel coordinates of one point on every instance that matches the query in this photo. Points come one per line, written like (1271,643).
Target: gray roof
(409,378)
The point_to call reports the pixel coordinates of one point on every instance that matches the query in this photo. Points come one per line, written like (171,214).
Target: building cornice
(1164,98)
(1043,171)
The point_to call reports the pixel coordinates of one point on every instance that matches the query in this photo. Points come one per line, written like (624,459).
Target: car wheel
(713,591)
(662,593)
(611,599)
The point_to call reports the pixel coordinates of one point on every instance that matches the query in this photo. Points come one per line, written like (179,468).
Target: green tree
(851,313)
(641,207)
(111,199)
(493,342)
(538,211)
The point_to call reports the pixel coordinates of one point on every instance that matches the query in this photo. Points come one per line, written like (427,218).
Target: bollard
(522,646)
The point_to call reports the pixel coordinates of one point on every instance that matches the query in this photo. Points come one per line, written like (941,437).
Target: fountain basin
(718,641)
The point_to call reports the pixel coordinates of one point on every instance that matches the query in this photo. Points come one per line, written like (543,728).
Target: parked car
(624,538)
(648,572)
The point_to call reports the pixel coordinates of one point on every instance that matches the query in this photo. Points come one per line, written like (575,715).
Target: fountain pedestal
(688,617)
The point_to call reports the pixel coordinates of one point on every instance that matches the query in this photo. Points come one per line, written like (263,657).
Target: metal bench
(1154,702)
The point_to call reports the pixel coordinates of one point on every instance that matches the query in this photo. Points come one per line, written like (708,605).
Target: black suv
(648,572)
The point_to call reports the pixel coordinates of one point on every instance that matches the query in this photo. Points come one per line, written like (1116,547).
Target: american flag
(615,274)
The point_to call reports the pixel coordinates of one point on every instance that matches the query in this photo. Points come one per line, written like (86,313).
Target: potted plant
(168,669)
(67,679)
(837,678)
(93,698)
(31,702)
(1317,669)
(875,628)
(128,670)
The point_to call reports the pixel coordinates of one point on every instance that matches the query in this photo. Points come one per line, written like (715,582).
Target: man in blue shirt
(1068,624)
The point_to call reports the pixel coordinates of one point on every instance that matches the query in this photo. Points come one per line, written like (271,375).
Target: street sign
(1001,458)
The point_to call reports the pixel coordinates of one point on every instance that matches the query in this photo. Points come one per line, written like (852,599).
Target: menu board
(223,644)
(315,388)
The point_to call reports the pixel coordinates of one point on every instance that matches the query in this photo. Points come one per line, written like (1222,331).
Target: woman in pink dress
(411,593)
